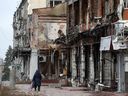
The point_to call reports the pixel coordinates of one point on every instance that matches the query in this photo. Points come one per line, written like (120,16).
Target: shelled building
(22,35)
(97,31)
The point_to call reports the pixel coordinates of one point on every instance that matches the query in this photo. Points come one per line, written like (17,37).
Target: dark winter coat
(37,79)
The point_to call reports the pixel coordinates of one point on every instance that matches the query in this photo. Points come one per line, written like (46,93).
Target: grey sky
(7,9)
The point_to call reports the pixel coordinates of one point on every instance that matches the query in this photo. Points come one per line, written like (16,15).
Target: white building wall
(51,30)
(35,4)
(33,63)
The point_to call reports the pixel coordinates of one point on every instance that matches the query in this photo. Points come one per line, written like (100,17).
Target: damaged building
(36,24)
(97,36)
(46,25)
(84,40)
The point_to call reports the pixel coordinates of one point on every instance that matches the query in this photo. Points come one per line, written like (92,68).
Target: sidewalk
(47,91)
(64,91)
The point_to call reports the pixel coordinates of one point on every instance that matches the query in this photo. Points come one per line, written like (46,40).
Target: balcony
(120,40)
(121,27)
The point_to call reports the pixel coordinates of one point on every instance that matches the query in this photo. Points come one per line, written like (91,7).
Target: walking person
(37,80)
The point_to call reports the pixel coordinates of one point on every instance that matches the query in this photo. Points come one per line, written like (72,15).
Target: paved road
(64,91)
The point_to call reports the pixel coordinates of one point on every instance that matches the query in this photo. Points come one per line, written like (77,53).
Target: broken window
(55,2)
(70,15)
(76,8)
(51,3)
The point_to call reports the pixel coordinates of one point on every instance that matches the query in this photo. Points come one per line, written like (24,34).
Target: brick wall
(94,7)
(125,14)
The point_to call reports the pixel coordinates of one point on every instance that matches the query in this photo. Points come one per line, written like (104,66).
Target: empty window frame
(51,3)
(125,3)
(55,2)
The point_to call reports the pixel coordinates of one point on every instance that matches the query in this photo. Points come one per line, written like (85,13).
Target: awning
(105,43)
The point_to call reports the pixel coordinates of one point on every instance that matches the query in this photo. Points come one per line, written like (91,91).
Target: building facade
(22,26)
(46,24)
(92,31)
